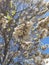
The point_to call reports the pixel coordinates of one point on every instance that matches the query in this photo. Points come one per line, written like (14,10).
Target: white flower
(3,21)
(22,30)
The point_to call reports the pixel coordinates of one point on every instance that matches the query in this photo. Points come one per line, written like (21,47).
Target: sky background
(43,41)
(46,40)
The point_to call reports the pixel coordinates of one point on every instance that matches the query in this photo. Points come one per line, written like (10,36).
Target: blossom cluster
(3,20)
(43,27)
(22,30)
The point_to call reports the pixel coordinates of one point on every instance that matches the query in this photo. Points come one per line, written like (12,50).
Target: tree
(21,31)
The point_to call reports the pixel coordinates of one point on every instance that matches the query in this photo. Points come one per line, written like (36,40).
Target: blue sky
(45,41)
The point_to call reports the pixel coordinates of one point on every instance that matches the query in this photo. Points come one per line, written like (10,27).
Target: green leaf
(13,12)
(8,16)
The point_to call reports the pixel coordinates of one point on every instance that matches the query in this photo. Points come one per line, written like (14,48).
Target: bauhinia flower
(3,21)
(43,26)
(26,45)
(22,30)
(43,47)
